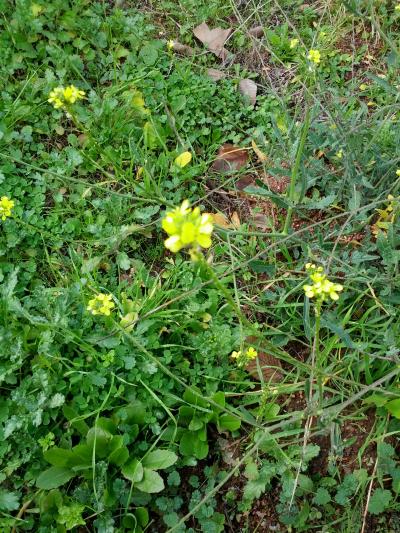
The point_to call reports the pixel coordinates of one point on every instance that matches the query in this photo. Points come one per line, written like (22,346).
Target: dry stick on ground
(369,497)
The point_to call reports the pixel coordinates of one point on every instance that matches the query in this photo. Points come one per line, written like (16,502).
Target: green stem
(317,356)
(295,171)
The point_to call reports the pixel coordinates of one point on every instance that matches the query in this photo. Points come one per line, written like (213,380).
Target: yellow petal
(188,233)
(174,243)
(169,225)
(204,241)
(183,159)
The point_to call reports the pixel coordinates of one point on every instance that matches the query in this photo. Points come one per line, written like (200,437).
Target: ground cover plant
(199,266)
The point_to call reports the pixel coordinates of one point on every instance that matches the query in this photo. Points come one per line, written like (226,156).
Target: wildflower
(398,172)
(187,227)
(397,8)
(363,87)
(314,56)
(102,304)
(251,353)
(386,217)
(293,43)
(321,287)
(62,97)
(170,44)
(339,154)
(236,355)
(5,207)
(183,159)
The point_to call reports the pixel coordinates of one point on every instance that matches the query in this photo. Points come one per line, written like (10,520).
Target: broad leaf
(152,482)
(54,477)
(133,471)
(159,459)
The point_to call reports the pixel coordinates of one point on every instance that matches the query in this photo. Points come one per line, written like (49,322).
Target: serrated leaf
(379,501)
(9,501)
(159,459)
(322,496)
(54,477)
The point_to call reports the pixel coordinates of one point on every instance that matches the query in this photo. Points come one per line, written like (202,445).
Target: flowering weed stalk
(319,290)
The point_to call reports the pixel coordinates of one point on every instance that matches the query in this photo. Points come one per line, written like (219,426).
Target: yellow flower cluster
(244,358)
(386,216)
(102,304)
(314,56)
(322,287)
(62,97)
(5,207)
(187,227)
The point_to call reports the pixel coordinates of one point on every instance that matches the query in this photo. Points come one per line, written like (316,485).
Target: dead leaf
(269,364)
(215,74)
(244,182)
(257,31)
(263,158)
(213,39)
(229,158)
(235,220)
(248,88)
(183,49)
(221,220)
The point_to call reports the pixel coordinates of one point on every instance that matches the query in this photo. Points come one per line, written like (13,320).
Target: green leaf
(379,400)
(99,438)
(149,54)
(322,496)
(123,261)
(380,501)
(57,456)
(159,459)
(393,407)
(142,516)
(54,477)
(151,483)
(80,425)
(228,422)
(119,456)
(9,501)
(191,445)
(133,471)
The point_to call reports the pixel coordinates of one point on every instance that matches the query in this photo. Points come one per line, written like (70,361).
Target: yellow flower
(72,94)
(187,227)
(387,216)
(56,97)
(321,287)
(183,159)
(363,87)
(314,56)
(170,44)
(5,207)
(102,304)
(251,353)
(61,97)
(236,355)
(397,8)
(398,172)
(293,43)
(339,154)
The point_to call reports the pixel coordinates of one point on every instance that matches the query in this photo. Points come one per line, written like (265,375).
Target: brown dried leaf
(183,49)
(213,39)
(221,220)
(229,158)
(257,31)
(215,74)
(235,220)
(248,88)
(263,158)
(245,181)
